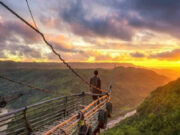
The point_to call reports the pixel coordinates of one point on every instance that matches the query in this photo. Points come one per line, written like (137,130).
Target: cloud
(62,43)
(2,54)
(119,19)
(12,30)
(84,22)
(27,51)
(19,50)
(158,15)
(61,47)
(137,55)
(168,55)
(15,39)
(74,57)
(100,24)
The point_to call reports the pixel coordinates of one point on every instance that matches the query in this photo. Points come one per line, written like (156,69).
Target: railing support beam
(28,127)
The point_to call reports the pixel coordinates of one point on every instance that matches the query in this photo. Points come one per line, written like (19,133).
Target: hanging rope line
(4,100)
(46,90)
(31,14)
(28,85)
(51,46)
(13,97)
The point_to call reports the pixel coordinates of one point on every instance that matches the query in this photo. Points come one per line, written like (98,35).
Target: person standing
(95,81)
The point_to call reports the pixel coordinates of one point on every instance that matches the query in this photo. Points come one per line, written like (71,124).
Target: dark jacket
(95,81)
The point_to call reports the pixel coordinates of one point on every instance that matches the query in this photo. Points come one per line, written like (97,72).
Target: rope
(27,85)
(51,47)
(4,100)
(43,90)
(31,14)
(14,97)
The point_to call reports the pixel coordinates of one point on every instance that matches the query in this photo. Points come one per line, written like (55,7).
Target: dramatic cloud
(158,15)
(27,51)
(14,40)
(62,43)
(2,54)
(84,23)
(96,30)
(12,31)
(169,55)
(60,47)
(137,55)
(18,50)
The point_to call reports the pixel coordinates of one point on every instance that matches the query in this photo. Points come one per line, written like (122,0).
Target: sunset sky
(142,32)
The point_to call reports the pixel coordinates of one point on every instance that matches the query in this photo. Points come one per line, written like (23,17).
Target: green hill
(54,65)
(130,85)
(159,114)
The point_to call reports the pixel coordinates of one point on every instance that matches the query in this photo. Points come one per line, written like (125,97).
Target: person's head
(95,72)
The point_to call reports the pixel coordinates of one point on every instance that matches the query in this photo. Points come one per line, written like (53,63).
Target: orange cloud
(61,41)
(173,55)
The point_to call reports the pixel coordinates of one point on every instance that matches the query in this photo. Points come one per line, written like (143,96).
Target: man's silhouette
(95,81)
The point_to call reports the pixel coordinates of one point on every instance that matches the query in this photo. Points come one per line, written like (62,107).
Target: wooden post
(28,127)
(65,106)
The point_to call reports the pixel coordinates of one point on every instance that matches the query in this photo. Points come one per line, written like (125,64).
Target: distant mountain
(172,74)
(51,65)
(159,114)
(130,85)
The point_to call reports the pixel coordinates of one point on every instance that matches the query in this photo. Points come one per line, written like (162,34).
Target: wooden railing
(88,112)
(48,117)
(37,117)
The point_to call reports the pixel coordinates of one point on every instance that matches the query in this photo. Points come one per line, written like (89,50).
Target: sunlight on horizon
(123,37)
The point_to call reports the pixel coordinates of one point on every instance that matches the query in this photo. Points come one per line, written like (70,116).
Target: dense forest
(130,85)
(159,114)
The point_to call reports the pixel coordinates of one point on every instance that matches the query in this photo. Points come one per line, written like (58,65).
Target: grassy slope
(159,114)
(130,85)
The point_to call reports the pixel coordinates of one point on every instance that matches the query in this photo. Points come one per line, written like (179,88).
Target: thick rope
(28,85)
(51,47)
